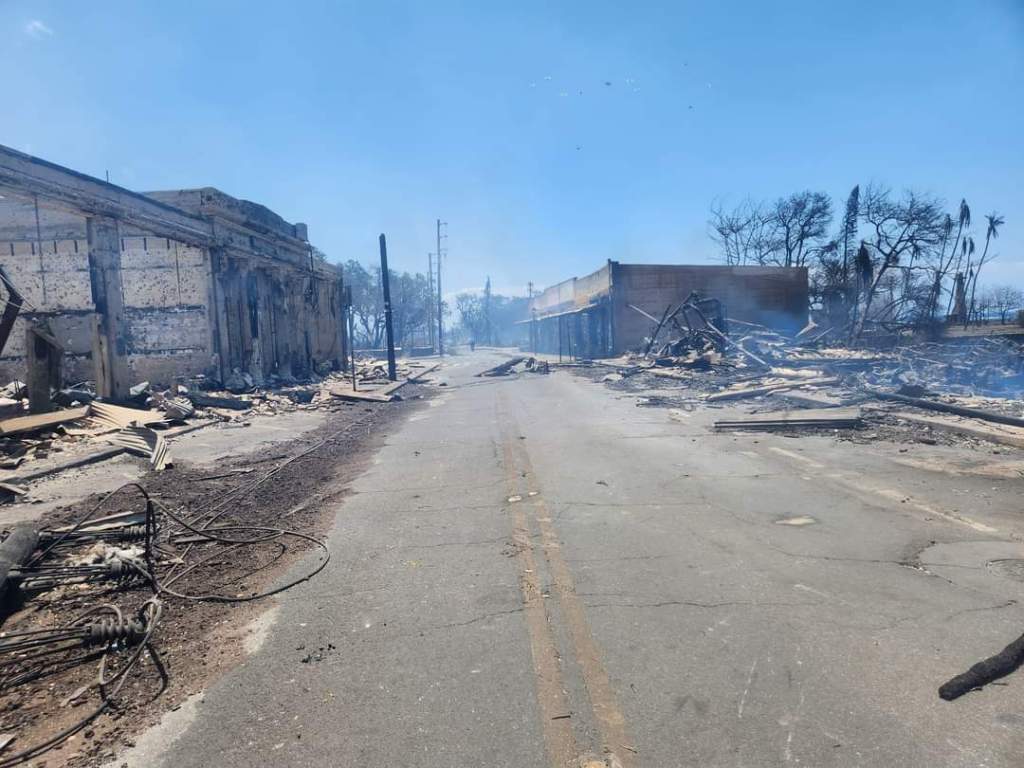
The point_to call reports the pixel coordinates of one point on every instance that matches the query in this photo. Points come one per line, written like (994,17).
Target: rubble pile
(81,429)
(977,385)
(517,365)
(96,596)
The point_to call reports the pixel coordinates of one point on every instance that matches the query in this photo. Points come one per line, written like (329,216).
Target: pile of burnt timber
(822,418)
(517,365)
(79,429)
(371,382)
(964,387)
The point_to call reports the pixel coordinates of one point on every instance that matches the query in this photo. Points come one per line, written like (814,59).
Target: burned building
(152,287)
(608,312)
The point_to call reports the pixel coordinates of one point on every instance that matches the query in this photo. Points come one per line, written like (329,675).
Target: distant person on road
(472,345)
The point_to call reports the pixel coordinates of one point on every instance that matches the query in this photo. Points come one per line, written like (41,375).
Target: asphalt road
(536,573)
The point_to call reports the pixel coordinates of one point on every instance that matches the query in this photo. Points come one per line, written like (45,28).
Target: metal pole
(440,305)
(559,338)
(430,301)
(389,331)
(346,320)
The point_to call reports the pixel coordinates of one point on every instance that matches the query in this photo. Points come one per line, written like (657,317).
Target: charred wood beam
(958,410)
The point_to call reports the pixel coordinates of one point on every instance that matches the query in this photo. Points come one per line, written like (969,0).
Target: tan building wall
(271,310)
(592,316)
(165,289)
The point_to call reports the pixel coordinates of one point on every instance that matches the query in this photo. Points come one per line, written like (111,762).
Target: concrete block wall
(165,294)
(277,310)
(53,278)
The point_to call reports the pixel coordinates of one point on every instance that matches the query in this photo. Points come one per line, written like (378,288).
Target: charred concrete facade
(596,315)
(162,285)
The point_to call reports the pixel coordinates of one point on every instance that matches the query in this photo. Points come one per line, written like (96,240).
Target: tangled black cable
(99,638)
(108,634)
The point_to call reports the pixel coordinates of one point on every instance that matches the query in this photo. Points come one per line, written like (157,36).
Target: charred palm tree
(995,221)
(964,222)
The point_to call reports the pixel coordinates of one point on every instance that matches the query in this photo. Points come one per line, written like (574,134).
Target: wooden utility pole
(487,312)
(440,304)
(388,329)
(430,301)
(349,315)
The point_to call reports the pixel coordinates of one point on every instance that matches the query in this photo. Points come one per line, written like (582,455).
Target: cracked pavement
(679,623)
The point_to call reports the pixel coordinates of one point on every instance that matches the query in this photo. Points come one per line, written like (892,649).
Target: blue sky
(360,118)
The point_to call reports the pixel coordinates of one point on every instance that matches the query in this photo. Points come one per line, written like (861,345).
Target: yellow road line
(559,741)
(611,723)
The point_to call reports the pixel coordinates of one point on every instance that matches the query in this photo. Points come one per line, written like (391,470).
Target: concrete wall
(593,287)
(555,298)
(258,303)
(773,296)
(278,320)
(165,296)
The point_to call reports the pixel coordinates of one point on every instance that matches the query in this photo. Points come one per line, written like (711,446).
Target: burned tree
(904,234)
(785,234)
(746,234)
(800,222)
(1003,299)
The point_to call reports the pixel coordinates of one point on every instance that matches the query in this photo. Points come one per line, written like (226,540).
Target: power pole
(388,329)
(440,303)
(349,312)
(430,300)
(487,311)
(529,290)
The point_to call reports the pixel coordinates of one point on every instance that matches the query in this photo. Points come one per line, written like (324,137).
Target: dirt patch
(294,485)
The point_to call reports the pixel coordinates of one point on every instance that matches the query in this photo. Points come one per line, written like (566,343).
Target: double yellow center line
(616,750)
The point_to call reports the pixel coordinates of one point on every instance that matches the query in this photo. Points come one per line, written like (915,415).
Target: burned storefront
(126,287)
(610,311)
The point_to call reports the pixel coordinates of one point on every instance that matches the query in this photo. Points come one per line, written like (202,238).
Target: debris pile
(83,429)
(976,383)
(109,579)
(103,603)
(517,365)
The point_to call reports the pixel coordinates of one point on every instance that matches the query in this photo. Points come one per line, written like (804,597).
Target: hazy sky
(551,136)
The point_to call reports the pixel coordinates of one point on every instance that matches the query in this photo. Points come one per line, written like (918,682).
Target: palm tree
(964,223)
(995,221)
